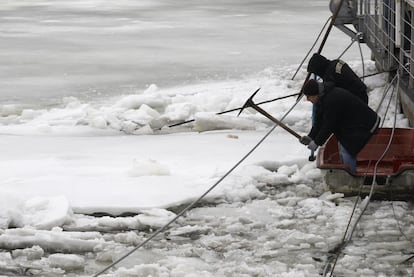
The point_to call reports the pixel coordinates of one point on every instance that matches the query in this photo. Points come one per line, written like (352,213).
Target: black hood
(318,64)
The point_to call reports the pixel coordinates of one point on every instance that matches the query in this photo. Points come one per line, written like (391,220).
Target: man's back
(344,77)
(348,117)
(339,73)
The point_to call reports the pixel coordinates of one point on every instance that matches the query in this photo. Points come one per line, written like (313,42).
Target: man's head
(311,91)
(318,64)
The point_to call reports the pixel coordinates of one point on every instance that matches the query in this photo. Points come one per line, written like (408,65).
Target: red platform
(395,171)
(399,157)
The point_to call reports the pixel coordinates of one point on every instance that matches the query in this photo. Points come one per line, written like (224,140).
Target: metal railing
(388,28)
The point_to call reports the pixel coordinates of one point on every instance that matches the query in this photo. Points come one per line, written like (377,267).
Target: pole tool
(250,104)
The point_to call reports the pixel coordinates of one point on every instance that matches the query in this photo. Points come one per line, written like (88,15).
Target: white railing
(388,28)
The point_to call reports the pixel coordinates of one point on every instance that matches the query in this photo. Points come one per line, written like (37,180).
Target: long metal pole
(335,15)
(236,109)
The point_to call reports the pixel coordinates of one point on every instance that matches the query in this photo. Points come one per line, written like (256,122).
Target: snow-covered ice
(68,172)
(89,167)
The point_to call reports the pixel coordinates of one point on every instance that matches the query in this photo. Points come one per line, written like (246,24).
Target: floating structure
(394,172)
(387,28)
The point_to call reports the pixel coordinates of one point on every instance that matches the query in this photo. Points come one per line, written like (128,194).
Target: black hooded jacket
(340,73)
(345,115)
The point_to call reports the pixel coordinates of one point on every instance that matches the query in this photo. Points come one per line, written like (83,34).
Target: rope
(191,205)
(310,50)
(385,94)
(228,172)
(355,38)
(365,174)
(362,58)
(343,244)
(373,74)
(386,89)
(398,222)
(232,110)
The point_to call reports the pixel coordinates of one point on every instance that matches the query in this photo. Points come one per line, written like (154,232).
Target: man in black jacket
(343,114)
(338,72)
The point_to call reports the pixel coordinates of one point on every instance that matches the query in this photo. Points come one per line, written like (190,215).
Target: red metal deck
(400,156)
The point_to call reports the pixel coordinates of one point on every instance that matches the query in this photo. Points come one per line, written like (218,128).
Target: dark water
(94,48)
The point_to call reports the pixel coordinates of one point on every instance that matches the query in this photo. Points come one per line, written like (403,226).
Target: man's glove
(305,140)
(312,146)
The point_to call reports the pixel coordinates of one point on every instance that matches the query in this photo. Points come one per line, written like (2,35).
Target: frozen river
(92,49)
(85,87)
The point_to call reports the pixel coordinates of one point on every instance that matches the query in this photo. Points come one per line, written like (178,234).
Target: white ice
(86,179)
(120,157)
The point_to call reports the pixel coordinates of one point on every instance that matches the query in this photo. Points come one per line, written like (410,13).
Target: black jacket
(345,115)
(344,77)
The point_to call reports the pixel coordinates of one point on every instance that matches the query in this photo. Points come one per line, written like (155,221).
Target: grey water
(91,49)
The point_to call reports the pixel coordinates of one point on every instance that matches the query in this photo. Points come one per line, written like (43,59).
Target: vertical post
(398,23)
(380,14)
(411,81)
(376,24)
(400,14)
(383,19)
(392,34)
